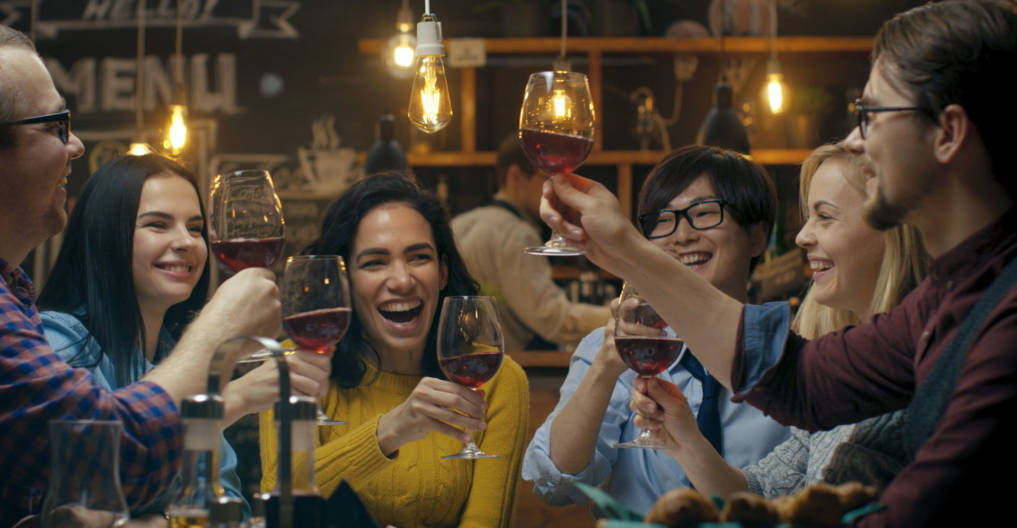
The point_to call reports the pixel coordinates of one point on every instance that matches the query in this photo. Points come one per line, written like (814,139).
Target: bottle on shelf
(202,416)
(226,512)
(308,504)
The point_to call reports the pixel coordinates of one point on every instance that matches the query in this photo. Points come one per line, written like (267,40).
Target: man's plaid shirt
(36,386)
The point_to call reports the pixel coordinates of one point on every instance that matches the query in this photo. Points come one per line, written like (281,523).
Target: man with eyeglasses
(936,121)
(36,386)
(709,210)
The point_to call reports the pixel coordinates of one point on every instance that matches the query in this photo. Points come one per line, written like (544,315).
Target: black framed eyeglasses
(702,215)
(62,119)
(863,112)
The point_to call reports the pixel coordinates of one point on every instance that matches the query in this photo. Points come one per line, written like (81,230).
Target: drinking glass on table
(470,348)
(316,306)
(245,220)
(556,132)
(642,344)
(84,483)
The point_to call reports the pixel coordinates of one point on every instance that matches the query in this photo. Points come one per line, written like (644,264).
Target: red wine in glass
(316,305)
(470,348)
(648,355)
(556,130)
(554,152)
(647,350)
(245,220)
(471,370)
(242,253)
(317,330)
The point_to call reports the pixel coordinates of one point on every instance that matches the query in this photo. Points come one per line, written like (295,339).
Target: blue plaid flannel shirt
(36,386)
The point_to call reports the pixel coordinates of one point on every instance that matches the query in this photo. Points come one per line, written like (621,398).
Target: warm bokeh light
(139,148)
(775,92)
(402,56)
(176,137)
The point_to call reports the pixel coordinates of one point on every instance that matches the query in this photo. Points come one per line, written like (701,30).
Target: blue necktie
(709,411)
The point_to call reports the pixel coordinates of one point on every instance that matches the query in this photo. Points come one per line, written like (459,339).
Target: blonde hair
(905,261)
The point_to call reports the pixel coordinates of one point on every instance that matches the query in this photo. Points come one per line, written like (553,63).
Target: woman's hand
(258,390)
(589,215)
(661,407)
(432,406)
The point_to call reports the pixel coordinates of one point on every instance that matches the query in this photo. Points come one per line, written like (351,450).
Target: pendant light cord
(139,89)
(564,28)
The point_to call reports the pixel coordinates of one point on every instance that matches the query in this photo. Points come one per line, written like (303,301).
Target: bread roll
(682,506)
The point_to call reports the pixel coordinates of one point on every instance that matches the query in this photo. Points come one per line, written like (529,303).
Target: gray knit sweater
(870,451)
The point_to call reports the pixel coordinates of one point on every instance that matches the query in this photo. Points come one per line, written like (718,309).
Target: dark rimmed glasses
(863,112)
(702,215)
(62,119)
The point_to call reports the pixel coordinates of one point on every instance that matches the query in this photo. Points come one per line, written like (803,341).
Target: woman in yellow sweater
(403,414)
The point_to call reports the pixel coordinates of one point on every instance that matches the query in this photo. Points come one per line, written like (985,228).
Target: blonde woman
(857,273)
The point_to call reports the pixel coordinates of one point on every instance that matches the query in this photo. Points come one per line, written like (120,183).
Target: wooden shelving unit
(594,48)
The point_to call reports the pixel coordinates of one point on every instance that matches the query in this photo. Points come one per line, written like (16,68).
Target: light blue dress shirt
(68,337)
(636,477)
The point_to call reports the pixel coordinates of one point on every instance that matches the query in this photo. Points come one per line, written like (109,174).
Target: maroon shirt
(965,470)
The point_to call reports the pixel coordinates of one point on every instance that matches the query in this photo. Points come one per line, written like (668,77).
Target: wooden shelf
(738,45)
(542,358)
(450,158)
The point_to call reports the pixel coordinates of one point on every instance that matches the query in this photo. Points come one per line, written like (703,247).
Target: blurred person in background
(491,238)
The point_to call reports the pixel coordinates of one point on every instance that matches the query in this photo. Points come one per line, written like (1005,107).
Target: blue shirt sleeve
(766,332)
(549,483)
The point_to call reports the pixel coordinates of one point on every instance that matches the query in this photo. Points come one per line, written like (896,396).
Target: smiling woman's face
(396,275)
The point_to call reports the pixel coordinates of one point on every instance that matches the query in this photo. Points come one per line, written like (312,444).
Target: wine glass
(470,348)
(316,305)
(643,350)
(556,132)
(84,484)
(246,220)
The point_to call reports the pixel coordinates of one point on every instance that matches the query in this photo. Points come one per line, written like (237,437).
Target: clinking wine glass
(470,348)
(556,132)
(246,220)
(643,348)
(316,306)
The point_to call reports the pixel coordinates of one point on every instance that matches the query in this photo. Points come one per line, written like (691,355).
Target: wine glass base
(469,455)
(640,445)
(555,251)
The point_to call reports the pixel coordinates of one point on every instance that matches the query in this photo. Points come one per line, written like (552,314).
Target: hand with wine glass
(645,347)
(556,126)
(470,348)
(316,306)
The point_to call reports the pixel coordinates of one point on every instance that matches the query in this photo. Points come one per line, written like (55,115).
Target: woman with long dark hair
(131,273)
(386,383)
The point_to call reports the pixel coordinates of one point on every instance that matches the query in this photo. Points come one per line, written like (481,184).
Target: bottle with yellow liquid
(202,416)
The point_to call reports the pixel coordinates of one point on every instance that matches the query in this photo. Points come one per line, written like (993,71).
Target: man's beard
(880,213)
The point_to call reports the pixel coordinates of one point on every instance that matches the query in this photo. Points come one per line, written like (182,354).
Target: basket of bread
(818,506)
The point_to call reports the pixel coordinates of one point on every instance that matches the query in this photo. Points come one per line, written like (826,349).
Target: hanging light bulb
(400,49)
(562,104)
(774,86)
(176,129)
(430,108)
(774,93)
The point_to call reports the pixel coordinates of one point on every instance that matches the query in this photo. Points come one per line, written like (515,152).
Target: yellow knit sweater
(417,487)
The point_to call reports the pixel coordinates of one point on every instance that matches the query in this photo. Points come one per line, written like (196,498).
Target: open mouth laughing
(401,311)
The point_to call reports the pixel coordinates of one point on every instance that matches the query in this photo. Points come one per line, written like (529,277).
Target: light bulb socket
(773,66)
(429,37)
(404,19)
